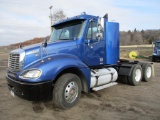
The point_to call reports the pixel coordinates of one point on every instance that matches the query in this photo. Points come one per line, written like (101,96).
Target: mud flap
(153,73)
(12,93)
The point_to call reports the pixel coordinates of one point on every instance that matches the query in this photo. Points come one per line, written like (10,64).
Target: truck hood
(32,49)
(36,52)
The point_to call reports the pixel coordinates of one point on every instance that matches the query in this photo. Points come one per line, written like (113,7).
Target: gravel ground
(120,102)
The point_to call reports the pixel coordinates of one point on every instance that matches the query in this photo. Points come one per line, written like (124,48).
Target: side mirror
(99,36)
(44,44)
(100,28)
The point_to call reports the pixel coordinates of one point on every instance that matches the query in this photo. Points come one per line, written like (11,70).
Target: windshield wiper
(72,38)
(64,39)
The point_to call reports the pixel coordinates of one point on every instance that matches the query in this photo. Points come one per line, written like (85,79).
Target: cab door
(94,49)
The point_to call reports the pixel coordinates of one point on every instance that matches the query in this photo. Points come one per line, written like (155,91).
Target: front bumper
(31,91)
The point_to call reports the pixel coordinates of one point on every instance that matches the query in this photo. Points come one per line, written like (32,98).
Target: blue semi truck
(156,51)
(81,55)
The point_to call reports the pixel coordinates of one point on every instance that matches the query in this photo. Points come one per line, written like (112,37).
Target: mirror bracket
(44,44)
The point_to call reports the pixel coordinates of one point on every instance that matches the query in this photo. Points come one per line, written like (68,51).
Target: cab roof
(85,16)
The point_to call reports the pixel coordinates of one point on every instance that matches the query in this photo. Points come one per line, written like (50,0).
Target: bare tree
(125,38)
(58,15)
(137,39)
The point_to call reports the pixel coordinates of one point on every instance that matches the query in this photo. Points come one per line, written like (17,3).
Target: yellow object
(133,54)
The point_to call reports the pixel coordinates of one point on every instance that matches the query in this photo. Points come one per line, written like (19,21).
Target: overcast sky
(21,20)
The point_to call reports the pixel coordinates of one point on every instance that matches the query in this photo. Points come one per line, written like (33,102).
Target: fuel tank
(103,76)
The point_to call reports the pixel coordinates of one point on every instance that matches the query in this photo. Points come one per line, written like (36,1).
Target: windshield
(67,31)
(157,44)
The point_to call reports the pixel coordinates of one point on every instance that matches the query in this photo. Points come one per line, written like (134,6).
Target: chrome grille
(14,62)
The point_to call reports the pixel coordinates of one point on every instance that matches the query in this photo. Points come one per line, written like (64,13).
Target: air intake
(13,62)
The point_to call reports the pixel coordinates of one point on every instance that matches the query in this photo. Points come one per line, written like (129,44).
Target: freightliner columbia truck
(156,51)
(81,55)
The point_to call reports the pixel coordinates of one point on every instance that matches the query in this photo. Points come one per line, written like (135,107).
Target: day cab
(81,55)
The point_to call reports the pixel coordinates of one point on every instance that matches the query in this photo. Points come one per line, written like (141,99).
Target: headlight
(31,74)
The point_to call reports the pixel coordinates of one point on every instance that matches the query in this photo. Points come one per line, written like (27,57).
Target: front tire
(136,75)
(67,91)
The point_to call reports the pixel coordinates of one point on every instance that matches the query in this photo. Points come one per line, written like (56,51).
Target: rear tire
(147,72)
(136,75)
(67,91)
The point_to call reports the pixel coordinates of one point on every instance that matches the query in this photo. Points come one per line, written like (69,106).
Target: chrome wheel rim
(138,75)
(148,72)
(71,92)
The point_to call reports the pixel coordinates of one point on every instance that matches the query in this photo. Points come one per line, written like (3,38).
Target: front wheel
(67,91)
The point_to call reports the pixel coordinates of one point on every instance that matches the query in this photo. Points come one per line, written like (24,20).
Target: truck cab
(156,51)
(82,54)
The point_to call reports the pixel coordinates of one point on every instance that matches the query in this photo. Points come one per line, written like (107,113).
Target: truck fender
(53,66)
(126,69)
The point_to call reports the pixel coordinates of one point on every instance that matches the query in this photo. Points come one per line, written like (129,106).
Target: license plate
(12,93)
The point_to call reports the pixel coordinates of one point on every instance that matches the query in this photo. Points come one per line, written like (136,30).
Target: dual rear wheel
(139,73)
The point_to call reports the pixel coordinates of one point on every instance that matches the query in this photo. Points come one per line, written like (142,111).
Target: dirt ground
(120,102)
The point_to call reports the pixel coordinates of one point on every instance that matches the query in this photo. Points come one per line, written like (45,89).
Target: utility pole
(51,17)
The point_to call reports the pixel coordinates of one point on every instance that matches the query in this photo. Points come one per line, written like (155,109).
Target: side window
(158,44)
(92,30)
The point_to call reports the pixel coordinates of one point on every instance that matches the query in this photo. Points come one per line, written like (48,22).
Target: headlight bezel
(36,72)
